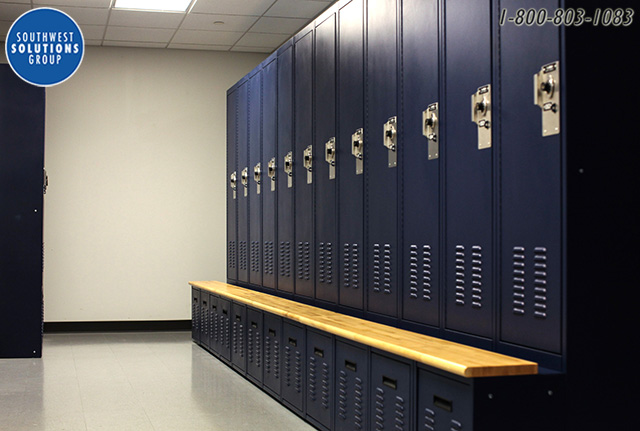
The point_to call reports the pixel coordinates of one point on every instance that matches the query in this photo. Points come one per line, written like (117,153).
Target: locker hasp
(430,129)
(481,115)
(271,172)
(308,162)
(391,140)
(233,182)
(546,94)
(245,180)
(330,156)
(257,172)
(288,168)
(357,150)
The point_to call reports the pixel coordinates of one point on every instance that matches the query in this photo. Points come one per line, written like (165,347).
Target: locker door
(255,179)
(352,374)
(204,319)
(254,345)
(391,389)
(195,314)
(468,169)
(272,353)
(320,377)
(303,84)
(420,162)
(350,180)
(233,178)
(530,183)
(224,334)
(239,336)
(214,344)
(243,184)
(293,366)
(443,404)
(269,156)
(324,149)
(284,180)
(381,172)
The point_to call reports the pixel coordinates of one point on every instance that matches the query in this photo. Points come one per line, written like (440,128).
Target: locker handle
(389,382)
(215,307)
(272,333)
(204,303)
(351,366)
(443,403)
(318,352)
(254,325)
(293,342)
(225,311)
(238,318)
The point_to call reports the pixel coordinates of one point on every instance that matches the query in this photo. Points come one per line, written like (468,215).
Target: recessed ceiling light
(154,5)
(218,22)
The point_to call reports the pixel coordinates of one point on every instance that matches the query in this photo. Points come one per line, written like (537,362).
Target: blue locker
(444,404)
(420,161)
(214,343)
(254,345)
(238,327)
(324,152)
(204,319)
(224,329)
(381,168)
(243,185)
(284,180)
(351,252)
(320,378)
(391,394)
(304,163)
(531,194)
(255,178)
(352,377)
(468,168)
(195,314)
(270,163)
(233,177)
(272,353)
(293,366)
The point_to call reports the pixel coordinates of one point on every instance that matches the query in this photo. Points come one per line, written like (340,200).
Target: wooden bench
(448,356)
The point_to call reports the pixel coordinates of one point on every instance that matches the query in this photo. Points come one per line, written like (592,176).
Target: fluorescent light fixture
(154,5)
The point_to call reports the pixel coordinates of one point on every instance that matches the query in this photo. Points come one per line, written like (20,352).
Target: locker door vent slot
(426,273)
(546,94)
(429,419)
(481,115)
(303,261)
(242,261)
(443,403)
(460,278)
(540,282)
(518,281)
(390,140)
(325,263)
(476,276)
(285,259)
(255,256)
(389,382)
(268,258)
(351,267)
(232,254)
(357,150)
(430,129)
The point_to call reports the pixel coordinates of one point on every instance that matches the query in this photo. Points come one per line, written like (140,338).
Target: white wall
(135,153)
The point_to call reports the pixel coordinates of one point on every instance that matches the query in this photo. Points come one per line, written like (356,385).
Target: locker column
(270,173)
(234,181)
(243,187)
(256,178)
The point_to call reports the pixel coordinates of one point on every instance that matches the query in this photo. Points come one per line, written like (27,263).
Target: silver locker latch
(481,115)
(308,162)
(391,140)
(245,180)
(288,168)
(357,149)
(430,129)
(546,94)
(257,172)
(233,182)
(330,156)
(271,171)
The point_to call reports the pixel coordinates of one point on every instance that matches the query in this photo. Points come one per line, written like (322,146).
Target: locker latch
(357,149)
(245,180)
(233,182)
(308,162)
(271,171)
(391,140)
(481,115)
(288,168)
(546,95)
(330,156)
(430,129)
(257,171)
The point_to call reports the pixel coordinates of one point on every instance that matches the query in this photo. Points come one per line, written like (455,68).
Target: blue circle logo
(44,47)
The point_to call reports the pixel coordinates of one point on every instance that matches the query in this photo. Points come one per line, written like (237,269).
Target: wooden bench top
(452,357)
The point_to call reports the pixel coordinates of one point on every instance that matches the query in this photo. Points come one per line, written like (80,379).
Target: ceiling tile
(136,34)
(4,28)
(134,44)
(92,31)
(200,47)
(232,7)
(251,49)
(78,3)
(136,18)
(93,42)
(297,8)
(200,37)
(200,21)
(279,25)
(86,15)
(11,12)
(267,40)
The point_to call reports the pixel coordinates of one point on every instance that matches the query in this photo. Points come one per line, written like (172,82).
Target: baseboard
(118,326)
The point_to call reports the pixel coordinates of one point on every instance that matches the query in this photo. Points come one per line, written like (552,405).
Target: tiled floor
(132,381)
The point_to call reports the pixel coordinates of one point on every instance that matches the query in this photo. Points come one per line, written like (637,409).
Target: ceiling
(218,25)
